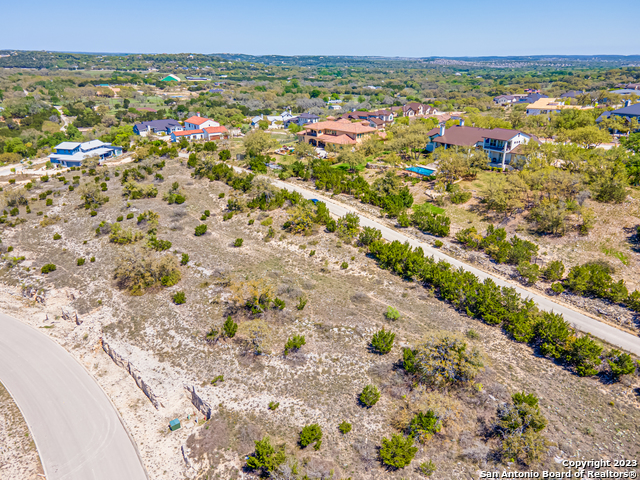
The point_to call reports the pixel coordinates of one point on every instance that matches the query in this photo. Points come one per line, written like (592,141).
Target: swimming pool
(421,171)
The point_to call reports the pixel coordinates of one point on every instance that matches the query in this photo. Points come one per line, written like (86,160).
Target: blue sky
(410,28)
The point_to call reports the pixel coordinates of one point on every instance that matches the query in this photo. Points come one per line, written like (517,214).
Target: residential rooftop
(344,126)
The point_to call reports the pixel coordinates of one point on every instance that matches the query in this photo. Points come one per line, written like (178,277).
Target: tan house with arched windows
(338,132)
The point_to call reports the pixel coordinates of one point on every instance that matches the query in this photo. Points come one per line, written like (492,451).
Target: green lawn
(431,207)
(345,167)
(287,159)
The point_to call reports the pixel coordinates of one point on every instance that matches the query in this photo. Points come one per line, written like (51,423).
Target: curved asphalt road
(584,323)
(77,430)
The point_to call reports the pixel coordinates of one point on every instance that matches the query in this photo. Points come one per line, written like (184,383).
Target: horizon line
(396,57)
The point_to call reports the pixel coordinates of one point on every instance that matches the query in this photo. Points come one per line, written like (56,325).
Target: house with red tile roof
(197,122)
(195,134)
(339,132)
(200,128)
(215,133)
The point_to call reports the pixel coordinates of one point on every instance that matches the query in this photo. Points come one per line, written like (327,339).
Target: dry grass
(321,382)
(19,459)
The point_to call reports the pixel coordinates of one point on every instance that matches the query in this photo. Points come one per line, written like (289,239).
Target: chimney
(197,114)
(462,122)
(627,103)
(442,130)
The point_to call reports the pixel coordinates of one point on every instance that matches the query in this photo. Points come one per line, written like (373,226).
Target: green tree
(584,354)
(352,159)
(505,193)
(230,327)
(309,434)
(370,395)
(348,226)
(632,142)
(586,137)
(369,235)
(594,278)
(620,363)
(382,341)
(344,427)
(552,332)
(554,271)
(445,360)
(424,425)
(611,184)
(266,457)
(550,217)
(48,268)
(304,150)
(530,272)
(454,164)
(520,424)
(294,343)
(224,155)
(397,452)
(258,143)
(301,218)
(392,313)
(295,128)
(179,298)
(210,146)
(372,146)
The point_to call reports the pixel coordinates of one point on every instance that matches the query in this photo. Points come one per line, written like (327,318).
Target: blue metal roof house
(627,112)
(71,154)
(167,125)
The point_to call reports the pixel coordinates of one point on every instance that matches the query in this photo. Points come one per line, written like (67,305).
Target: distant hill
(187,61)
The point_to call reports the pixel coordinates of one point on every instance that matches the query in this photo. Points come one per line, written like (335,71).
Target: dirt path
(65,119)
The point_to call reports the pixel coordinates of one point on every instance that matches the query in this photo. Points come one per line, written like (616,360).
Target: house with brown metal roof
(355,115)
(339,132)
(413,109)
(501,144)
(386,116)
(377,123)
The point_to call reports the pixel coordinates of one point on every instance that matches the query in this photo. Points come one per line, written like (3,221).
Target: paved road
(77,431)
(584,323)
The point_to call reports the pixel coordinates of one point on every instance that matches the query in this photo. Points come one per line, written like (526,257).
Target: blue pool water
(421,170)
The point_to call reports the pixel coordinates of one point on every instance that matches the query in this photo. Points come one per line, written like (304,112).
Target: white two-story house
(198,123)
(500,144)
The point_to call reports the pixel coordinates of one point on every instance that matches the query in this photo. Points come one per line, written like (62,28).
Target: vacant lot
(19,458)
(168,345)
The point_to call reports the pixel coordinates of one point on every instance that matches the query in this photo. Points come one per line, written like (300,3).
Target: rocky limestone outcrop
(32,292)
(133,371)
(71,316)
(202,406)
